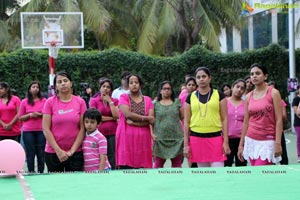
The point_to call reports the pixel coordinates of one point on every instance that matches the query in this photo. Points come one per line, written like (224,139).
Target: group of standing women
(215,126)
(28,112)
(216,129)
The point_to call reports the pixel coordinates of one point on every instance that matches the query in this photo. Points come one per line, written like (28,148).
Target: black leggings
(284,156)
(232,157)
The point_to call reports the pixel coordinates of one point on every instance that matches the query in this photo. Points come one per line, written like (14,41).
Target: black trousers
(232,157)
(285,159)
(74,163)
(111,150)
(15,138)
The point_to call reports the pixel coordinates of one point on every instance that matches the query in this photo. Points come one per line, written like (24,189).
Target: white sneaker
(298,160)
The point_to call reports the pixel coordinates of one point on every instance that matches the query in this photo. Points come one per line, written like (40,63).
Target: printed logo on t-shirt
(61,112)
(262,113)
(94,145)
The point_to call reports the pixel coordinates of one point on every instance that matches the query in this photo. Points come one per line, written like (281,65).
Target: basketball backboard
(39,29)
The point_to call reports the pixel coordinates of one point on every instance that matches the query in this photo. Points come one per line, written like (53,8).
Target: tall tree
(6,7)
(148,26)
(194,20)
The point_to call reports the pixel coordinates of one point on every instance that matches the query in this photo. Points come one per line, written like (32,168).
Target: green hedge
(20,67)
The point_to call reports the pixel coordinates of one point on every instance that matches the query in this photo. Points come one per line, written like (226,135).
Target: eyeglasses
(166,88)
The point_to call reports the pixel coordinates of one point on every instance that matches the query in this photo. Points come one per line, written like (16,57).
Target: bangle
(142,118)
(30,115)
(111,103)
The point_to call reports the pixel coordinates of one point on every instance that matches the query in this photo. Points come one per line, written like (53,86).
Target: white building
(266,24)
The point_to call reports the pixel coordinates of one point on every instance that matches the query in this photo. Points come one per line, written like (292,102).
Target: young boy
(94,144)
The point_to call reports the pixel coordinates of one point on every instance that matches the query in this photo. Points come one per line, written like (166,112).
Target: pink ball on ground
(12,157)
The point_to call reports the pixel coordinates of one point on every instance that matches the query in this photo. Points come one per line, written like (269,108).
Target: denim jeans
(34,146)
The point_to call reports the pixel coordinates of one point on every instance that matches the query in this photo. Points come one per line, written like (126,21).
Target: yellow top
(205,118)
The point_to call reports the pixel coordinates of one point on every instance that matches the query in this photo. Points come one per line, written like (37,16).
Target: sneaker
(298,160)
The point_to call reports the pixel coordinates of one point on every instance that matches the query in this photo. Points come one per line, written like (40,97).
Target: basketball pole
(51,75)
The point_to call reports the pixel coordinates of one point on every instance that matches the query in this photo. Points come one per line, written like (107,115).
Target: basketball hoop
(53,48)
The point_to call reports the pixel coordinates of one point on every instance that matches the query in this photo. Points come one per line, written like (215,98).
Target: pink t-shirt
(107,127)
(235,119)
(261,117)
(7,113)
(65,120)
(283,103)
(182,96)
(32,124)
(94,145)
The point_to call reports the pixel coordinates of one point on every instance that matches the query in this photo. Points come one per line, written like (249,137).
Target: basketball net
(54,49)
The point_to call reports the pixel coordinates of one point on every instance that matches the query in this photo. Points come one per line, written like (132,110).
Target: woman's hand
(34,115)
(186,151)
(7,126)
(129,121)
(154,137)
(151,119)
(226,149)
(277,150)
(240,153)
(106,98)
(62,155)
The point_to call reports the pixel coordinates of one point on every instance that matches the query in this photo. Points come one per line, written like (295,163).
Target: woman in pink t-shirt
(108,108)
(261,135)
(9,107)
(236,112)
(133,137)
(31,114)
(63,127)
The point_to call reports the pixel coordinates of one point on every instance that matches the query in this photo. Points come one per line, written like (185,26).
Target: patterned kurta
(167,128)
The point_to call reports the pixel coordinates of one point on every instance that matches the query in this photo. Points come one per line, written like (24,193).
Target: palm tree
(148,26)
(194,20)
(6,7)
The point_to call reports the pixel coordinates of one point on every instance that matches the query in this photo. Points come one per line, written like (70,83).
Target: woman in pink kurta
(108,126)
(133,137)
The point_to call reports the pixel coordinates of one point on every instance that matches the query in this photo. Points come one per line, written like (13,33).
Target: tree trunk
(169,46)
(99,43)
(181,17)
(195,32)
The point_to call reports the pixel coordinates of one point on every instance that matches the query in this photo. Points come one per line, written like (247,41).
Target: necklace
(202,116)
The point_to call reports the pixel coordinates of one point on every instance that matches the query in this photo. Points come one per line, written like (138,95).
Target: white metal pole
(292,68)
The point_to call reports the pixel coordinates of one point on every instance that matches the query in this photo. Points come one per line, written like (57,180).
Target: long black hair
(30,100)
(159,97)
(5,85)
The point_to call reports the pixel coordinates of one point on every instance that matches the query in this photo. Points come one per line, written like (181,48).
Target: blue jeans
(35,146)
